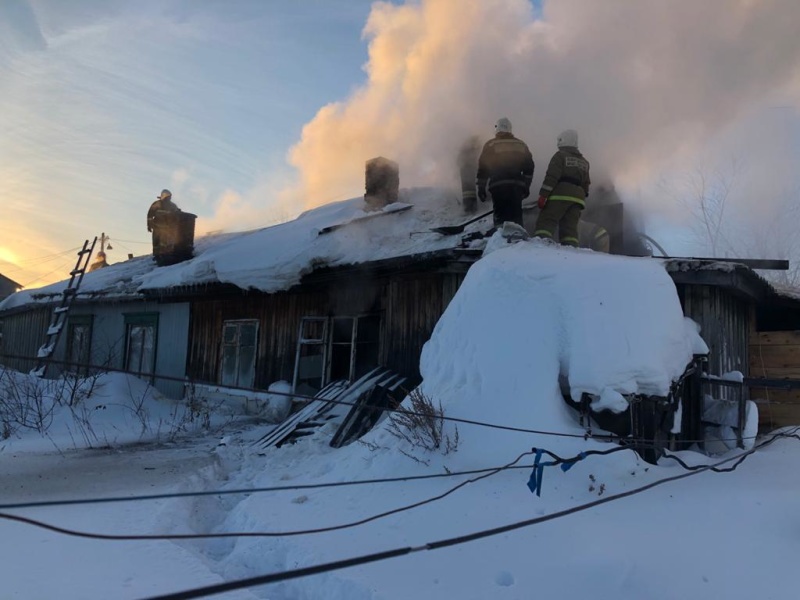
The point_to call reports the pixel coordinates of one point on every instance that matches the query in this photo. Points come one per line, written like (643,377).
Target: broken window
(335,348)
(238,367)
(79,343)
(140,343)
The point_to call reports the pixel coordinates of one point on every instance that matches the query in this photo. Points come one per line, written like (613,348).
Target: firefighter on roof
(562,196)
(505,168)
(157,218)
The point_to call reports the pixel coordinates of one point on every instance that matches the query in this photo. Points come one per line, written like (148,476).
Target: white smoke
(645,83)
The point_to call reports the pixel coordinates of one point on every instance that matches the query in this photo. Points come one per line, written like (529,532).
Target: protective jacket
(160,207)
(567,177)
(505,160)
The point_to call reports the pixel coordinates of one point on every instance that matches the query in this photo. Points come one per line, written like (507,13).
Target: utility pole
(103,239)
(100,259)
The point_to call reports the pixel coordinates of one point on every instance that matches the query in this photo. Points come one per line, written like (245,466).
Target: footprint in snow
(504,579)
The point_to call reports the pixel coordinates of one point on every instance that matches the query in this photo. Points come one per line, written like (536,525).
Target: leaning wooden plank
(372,412)
(324,401)
(321,400)
(367,410)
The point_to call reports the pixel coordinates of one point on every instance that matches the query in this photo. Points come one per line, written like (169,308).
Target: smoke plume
(643,82)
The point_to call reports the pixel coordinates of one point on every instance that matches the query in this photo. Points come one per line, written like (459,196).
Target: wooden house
(362,294)
(750,327)
(8,286)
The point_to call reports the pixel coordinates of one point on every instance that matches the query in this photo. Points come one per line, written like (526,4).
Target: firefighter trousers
(563,215)
(507,203)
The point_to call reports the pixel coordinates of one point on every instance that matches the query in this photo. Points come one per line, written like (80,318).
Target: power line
(557,460)
(302,486)
(48,257)
(29,264)
(132,241)
(198,536)
(245,491)
(445,543)
(586,436)
(59,268)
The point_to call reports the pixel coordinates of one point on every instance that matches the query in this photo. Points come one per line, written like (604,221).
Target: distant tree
(766,228)
(706,197)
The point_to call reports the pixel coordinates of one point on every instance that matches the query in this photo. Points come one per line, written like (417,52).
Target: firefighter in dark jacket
(562,196)
(157,217)
(505,168)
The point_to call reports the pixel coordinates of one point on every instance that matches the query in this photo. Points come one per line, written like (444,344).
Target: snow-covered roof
(276,258)
(737,276)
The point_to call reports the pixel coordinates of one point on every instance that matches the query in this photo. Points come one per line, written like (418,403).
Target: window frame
(149,319)
(238,323)
(79,366)
(328,343)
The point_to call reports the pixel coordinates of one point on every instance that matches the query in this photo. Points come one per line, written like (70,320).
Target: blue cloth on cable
(535,481)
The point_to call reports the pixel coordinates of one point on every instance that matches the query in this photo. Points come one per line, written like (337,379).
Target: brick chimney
(382,183)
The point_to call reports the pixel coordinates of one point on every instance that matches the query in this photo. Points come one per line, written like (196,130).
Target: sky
(251,112)
(722,535)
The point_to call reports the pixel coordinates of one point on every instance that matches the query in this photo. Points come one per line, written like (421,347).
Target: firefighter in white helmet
(562,196)
(157,217)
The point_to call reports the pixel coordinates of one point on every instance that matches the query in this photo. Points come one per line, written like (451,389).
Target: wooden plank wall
(278,316)
(409,305)
(776,355)
(725,323)
(23,335)
(414,306)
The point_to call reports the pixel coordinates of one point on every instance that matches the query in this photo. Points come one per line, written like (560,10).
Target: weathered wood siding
(414,306)
(409,306)
(724,321)
(776,355)
(23,335)
(279,318)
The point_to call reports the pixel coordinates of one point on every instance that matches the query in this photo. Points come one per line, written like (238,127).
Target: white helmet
(568,137)
(503,125)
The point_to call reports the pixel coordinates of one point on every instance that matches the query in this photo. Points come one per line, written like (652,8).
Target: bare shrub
(422,426)
(25,403)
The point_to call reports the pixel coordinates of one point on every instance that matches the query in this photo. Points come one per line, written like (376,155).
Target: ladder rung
(84,251)
(69,291)
(61,309)
(76,272)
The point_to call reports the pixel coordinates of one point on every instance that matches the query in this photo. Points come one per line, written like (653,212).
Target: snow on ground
(524,313)
(109,410)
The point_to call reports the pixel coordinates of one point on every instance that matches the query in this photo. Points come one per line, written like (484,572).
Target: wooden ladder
(59,317)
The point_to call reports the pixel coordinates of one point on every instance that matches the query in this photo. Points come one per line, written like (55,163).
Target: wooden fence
(775,355)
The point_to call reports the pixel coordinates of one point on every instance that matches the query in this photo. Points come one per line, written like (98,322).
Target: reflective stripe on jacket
(567,177)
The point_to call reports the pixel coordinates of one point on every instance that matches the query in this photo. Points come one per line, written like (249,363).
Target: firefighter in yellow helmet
(562,196)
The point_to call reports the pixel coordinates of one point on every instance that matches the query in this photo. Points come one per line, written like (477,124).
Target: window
(309,371)
(335,348)
(79,344)
(140,343)
(238,367)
